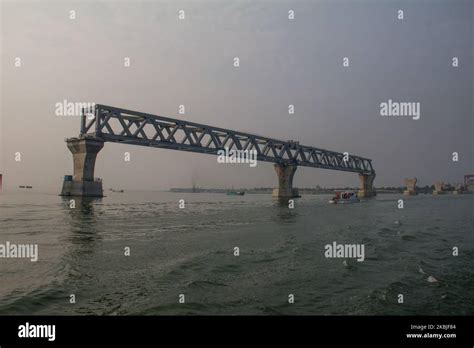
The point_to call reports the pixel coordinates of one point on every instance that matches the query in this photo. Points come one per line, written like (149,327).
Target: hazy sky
(282,62)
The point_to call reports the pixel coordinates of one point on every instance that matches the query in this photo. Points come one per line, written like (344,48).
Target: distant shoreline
(267,190)
(306,190)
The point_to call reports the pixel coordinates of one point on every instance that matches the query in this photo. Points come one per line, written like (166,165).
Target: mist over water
(190,251)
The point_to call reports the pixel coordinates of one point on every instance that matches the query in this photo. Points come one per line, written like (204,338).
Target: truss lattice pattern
(137,128)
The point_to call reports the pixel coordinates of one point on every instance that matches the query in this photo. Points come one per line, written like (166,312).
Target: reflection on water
(81,251)
(81,208)
(285,211)
(83,218)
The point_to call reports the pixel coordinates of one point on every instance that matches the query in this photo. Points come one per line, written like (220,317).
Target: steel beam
(138,128)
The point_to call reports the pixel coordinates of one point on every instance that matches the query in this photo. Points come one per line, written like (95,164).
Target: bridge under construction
(104,123)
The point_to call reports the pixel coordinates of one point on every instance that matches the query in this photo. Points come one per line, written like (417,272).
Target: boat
(346,197)
(235,193)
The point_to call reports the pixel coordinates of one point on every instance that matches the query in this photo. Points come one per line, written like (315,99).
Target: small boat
(235,193)
(344,198)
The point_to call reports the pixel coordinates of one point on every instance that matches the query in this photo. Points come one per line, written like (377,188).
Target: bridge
(103,123)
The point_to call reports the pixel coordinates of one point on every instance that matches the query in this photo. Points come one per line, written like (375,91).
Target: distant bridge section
(110,124)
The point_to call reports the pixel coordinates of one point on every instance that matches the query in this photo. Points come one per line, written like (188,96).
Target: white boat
(344,198)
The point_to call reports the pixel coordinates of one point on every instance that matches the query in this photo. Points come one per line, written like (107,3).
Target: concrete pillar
(285,175)
(410,184)
(439,189)
(458,189)
(82,183)
(366,182)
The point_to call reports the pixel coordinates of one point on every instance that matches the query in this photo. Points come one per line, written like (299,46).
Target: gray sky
(283,62)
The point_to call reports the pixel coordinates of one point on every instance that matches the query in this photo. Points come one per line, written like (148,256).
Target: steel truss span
(137,128)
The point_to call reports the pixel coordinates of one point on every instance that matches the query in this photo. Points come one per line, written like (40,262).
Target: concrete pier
(285,188)
(410,184)
(82,183)
(367,189)
(458,189)
(439,188)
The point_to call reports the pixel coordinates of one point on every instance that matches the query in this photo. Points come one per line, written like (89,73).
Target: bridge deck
(137,128)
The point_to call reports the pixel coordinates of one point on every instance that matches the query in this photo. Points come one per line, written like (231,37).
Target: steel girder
(137,128)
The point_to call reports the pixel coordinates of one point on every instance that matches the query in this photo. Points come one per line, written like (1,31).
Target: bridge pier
(285,188)
(458,189)
(82,182)
(439,188)
(366,182)
(410,184)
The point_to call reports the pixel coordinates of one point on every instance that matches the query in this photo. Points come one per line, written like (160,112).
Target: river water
(190,251)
